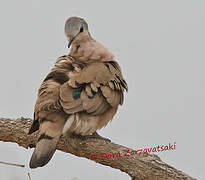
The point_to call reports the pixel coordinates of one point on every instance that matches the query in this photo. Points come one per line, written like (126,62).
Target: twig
(12,164)
(29,176)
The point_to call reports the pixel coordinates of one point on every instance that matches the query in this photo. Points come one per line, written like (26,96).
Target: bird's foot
(94,135)
(97,136)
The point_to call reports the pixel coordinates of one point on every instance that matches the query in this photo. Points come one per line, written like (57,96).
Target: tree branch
(12,164)
(143,167)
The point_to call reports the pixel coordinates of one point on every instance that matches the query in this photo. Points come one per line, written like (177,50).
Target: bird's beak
(70,42)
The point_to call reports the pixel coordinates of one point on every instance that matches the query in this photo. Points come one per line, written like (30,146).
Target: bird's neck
(81,37)
(87,50)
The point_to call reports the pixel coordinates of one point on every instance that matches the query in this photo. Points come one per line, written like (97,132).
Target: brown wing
(48,93)
(93,90)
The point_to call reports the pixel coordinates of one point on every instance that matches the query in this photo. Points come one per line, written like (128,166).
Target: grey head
(73,27)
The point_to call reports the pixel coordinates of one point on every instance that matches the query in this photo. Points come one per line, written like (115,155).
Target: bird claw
(97,136)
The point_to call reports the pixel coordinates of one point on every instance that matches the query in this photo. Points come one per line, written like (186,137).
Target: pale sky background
(160,47)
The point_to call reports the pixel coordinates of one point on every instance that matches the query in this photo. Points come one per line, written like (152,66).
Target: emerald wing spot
(76,94)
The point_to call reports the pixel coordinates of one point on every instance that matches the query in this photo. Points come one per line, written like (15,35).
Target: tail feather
(50,130)
(44,151)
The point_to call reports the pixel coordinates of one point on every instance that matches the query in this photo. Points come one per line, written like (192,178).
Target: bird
(80,95)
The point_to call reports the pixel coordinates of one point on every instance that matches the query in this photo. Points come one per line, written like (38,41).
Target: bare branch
(29,176)
(148,167)
(12,164)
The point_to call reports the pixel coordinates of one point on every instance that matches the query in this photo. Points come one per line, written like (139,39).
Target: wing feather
(92,89)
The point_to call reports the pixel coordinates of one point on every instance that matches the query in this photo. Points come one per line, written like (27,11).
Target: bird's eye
(81,29)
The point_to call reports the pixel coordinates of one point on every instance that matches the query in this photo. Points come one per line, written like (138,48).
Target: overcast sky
(160,47)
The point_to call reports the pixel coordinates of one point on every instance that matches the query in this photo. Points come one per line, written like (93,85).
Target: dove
(80,95)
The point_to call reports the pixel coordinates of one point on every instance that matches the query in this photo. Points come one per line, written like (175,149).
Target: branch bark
(143,167)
